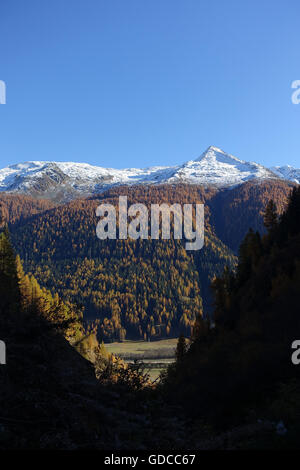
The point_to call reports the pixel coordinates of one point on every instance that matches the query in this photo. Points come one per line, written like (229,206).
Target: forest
(136,289)
(241,367)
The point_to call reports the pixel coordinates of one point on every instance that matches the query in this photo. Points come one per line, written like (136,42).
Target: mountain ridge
(67,180)
(287,172)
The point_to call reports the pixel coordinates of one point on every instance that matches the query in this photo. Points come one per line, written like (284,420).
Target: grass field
(161,352)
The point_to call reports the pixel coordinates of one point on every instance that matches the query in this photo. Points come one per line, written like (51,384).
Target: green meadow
(156,355)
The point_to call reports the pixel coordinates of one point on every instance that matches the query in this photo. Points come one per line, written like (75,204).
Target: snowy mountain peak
(219,168)
(214,154)
(66,180)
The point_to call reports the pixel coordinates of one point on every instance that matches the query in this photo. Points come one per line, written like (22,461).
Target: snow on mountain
(66,180)
(219,168)
(287,172)
(77,174)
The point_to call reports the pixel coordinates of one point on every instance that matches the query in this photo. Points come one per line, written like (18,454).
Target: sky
(137,83)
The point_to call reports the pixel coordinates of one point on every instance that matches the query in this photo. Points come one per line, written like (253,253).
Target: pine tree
(9,288)
(181,348)
(270,216)
(200,328)
(291,218)
(2,220)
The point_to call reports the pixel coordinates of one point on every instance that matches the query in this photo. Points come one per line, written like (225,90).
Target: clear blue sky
(124,83)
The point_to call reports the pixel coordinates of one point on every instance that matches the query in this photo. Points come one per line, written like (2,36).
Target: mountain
(287,172)
(64,181)
(67,180)
(222,169)
(135,288)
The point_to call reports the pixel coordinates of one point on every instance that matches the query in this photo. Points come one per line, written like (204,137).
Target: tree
(181,348)
(9,288)
(270,216)
(2,220)
(291,218)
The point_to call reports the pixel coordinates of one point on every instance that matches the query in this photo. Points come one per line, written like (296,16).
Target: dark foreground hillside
(50,396)
(241,367)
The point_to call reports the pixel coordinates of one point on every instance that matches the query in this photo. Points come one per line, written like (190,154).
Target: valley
(155,355)
(136,289)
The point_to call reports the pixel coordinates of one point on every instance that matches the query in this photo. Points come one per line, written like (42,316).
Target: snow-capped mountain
(219,168)
(287,172)
(66,180)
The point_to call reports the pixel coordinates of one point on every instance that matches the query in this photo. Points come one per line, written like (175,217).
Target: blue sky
(124,83)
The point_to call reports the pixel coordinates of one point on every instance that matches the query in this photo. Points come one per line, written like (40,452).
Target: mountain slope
(148,288)
(16,207)
(234,211)
(242,368)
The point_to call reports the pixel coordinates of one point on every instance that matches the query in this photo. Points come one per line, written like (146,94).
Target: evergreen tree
(291,217)
(9,288)
(1,215)
(270,216)
(222,287)
(245,358)
(181,348)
